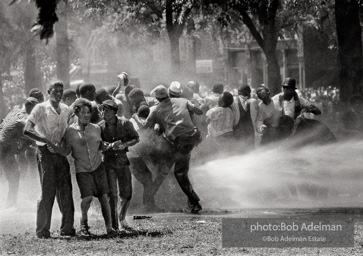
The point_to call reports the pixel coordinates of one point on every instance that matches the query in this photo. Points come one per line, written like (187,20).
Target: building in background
(203,58)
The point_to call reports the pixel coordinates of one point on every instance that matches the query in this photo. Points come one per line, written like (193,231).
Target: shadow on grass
(120,234)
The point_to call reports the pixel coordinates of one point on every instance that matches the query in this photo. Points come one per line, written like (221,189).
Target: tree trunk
(32,73)
(3,108)
(174,52)
(349,48)
(273,68)
(62,41)
(268,43)
(273,72)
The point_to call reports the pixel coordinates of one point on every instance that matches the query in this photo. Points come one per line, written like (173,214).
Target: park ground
(176,233)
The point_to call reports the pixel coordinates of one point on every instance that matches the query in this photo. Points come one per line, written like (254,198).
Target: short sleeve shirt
(48,122)
(221,121)
(173,116)
(85,146)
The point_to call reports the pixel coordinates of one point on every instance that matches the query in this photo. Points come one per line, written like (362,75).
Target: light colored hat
(175,88)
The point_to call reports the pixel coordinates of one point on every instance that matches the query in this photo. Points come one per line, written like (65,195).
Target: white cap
(175,88)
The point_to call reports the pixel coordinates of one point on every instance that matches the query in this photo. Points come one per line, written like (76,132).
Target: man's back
(221,121)
(174,117)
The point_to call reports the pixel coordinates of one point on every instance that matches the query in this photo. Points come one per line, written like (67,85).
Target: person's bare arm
(30,132)
(254,110)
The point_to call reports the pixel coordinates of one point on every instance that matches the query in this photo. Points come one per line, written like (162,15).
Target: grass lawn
(163,234)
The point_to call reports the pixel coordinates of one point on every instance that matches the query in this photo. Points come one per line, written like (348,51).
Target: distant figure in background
(69,96)
(36,93)
(122,81)
(12,143)
(121,134)
(194,86)
(246,109)
(137,99)
(268,117)
(212,100)
(352,120)
(124,98)
(47,124)
(102,95)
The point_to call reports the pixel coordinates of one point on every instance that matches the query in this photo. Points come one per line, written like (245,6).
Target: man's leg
(47,174)
(106,211)
(30,155)
(181,174)
(125,190)
(64,196)
(113,195)
(23,163)
(162,156)
(144,176)
(163,170)
(11,170)
(85,205)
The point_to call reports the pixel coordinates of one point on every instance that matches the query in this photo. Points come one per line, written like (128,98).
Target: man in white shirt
(268,117)
(46,125)
(291,103)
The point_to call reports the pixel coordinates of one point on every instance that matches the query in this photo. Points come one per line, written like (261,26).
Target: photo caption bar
(291,232)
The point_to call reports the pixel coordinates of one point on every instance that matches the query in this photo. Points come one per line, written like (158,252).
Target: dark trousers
(28,162)
(271,135)
(118,174)
(12,173)
(182,162)
(55,179)
(143,174)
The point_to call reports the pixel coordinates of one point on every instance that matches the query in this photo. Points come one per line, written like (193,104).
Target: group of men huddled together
(113,135)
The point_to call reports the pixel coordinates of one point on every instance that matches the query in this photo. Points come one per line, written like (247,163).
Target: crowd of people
(114,134)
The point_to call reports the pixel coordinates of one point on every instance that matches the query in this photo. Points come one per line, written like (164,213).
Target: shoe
(195,208)
(85,228)
(112,232)
(125,225)
(72,233)
(43,236)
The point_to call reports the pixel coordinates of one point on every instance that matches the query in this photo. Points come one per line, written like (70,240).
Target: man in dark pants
(173,116)
(12,143)
(47,124)
(121,134)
